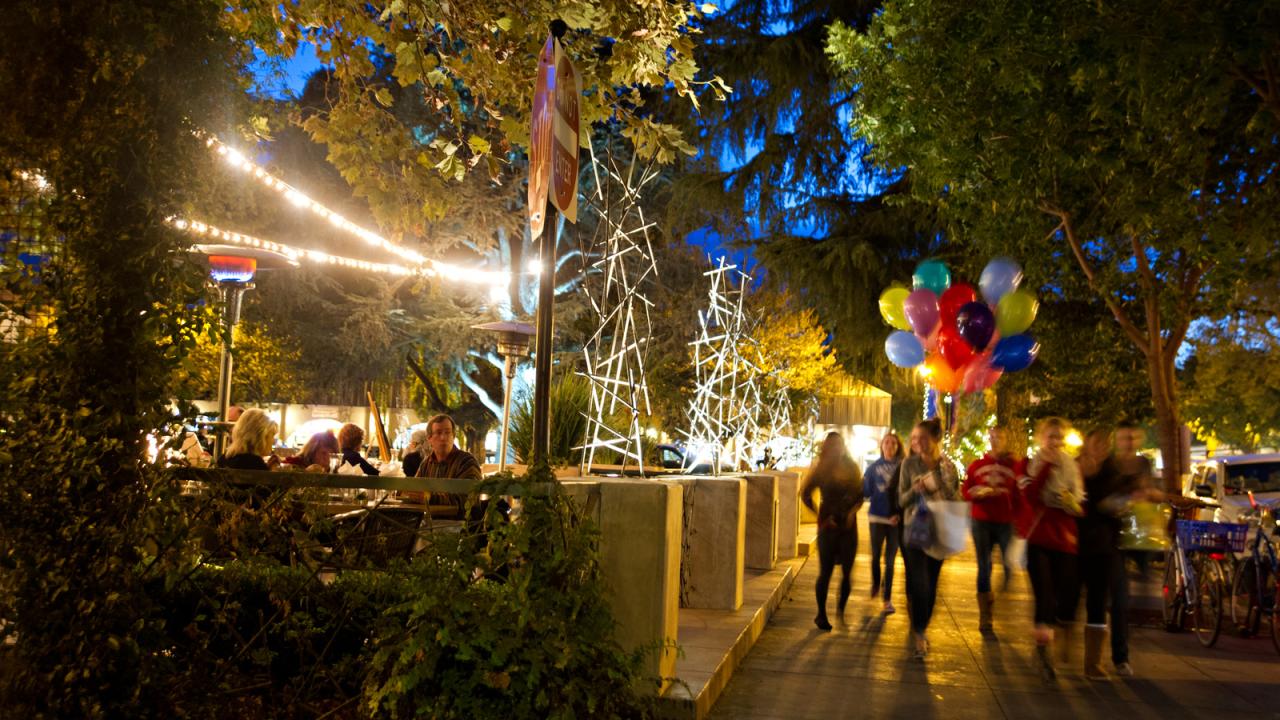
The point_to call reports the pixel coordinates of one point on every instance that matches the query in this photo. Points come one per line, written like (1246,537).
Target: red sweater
(992,472)
(1044,526)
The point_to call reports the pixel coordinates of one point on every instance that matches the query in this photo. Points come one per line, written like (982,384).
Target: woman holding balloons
(925,475)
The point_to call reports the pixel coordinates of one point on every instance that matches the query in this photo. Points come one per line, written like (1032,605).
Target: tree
(790,346)
(266,367)
(98,112)
(1233,381)
(466,74)
(1123,145)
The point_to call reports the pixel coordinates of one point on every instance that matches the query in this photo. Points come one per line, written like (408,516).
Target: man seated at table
(443,459)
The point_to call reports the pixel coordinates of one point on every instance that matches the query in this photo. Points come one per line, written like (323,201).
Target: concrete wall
(714,542)
(762,521)
(639,524)
(788,512)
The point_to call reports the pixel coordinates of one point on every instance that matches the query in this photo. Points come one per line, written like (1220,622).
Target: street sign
(564,153)
(540,137)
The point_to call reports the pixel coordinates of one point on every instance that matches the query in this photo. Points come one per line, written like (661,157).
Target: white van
(1230,478)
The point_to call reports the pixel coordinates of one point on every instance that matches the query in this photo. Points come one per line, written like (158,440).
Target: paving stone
(863,668)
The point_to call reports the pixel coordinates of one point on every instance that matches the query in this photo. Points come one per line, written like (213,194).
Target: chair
(377,536)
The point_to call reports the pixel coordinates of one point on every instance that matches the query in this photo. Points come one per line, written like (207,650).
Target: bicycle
(1256,582)
(1194,583)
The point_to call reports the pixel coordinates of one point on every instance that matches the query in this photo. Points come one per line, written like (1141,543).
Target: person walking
(1120,479)
(835,475)
(925,475)
(1051,493)
(880,488)
(989,484)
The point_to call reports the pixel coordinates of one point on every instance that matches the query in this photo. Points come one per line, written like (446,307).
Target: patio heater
(513,344)
(233,269)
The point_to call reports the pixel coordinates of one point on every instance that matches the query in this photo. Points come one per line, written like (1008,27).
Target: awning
(855,403)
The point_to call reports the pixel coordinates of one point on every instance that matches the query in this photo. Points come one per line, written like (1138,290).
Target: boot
(986,601)
(1095,637)
(1044,641)
(1046,663)
(1063,643)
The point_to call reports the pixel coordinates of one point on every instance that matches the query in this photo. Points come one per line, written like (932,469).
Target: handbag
(920,531)
(951,528)
(1144,527)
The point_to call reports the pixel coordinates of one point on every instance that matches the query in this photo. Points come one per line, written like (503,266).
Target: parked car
(1230,479)
(676,457)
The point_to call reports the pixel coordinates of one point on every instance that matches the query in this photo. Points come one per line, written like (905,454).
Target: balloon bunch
(963,343)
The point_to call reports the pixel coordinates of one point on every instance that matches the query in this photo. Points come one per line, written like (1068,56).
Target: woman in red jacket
(1051,493)
(989,484)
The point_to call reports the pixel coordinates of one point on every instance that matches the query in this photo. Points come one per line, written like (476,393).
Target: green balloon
(1015,312)
(891,307)
(932,275)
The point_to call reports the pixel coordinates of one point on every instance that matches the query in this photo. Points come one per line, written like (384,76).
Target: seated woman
(350,438)
(412,459)
(252,438)
(314,456)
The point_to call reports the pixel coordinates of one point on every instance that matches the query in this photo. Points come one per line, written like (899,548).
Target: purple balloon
(976,324)
(921,308)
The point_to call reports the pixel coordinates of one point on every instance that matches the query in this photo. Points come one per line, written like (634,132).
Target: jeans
(1105,575)
(835,545)
(1055,582)
(987,535)
(922,586)
(886,535)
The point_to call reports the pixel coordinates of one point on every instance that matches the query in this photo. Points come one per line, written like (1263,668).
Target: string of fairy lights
(497,280)
(196,227)
(420,264)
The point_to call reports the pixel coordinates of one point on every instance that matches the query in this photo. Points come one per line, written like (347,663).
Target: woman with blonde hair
(1051,493)
(414,453)
(252,438)
(835,475)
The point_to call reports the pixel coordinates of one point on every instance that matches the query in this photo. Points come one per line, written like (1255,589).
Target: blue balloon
(1000,276)
(904,349)
(1015,352)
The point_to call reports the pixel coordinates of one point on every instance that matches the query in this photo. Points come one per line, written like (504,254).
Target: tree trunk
(1164,395)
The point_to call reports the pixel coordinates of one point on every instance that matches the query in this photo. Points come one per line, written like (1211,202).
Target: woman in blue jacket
(879,487)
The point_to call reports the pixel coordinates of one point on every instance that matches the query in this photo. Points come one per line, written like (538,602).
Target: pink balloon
(979,374)
(921,308)
(930,341)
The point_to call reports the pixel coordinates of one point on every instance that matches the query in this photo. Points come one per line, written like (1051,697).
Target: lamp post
(513,344)
(233,269)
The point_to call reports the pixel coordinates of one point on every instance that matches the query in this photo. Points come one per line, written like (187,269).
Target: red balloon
(954,298)
(952,347)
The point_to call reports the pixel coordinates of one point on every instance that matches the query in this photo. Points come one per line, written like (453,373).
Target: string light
(201,229)
(299,199)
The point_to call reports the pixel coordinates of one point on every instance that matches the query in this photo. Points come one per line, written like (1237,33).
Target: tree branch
(1064,224)
(436,401)
(481,394)
(1149,283)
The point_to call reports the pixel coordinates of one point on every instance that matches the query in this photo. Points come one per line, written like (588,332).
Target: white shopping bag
(951,528)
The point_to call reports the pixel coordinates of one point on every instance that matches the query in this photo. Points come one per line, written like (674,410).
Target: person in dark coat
(835,475)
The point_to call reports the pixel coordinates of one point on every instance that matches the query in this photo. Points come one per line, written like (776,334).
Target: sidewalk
(864,668)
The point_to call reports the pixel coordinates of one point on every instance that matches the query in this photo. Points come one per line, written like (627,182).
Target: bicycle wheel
(1206,613)
(1243,599)
(1174,599)
(1269,603)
